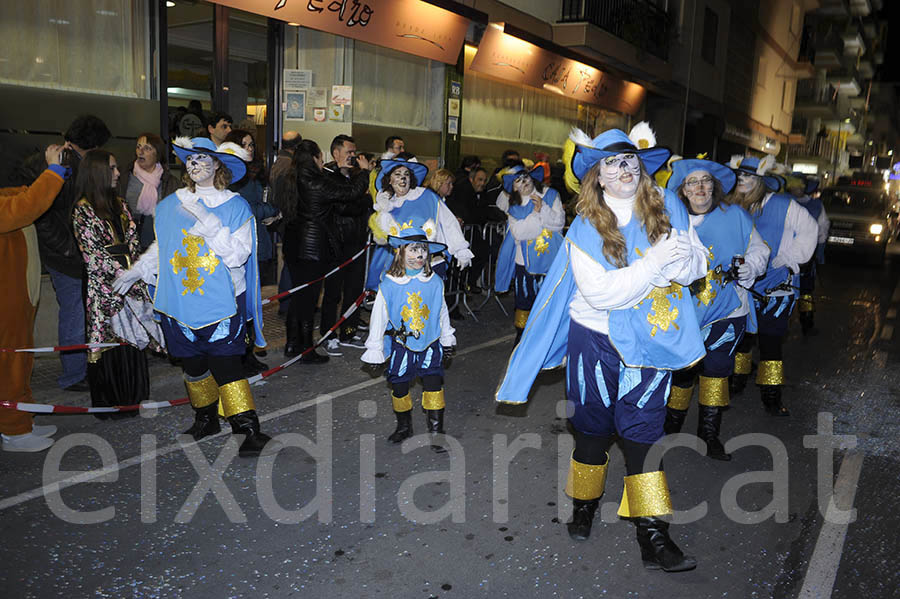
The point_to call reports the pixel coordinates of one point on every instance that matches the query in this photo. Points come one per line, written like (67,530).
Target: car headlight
(876,229)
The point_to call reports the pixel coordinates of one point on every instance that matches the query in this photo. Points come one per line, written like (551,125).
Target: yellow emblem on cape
(193,262)
(415,313)
(662,314)
(705,291)
(395,230)
(542,242)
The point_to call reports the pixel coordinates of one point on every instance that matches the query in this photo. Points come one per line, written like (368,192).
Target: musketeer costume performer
(791,233)
(803,188)
(533,237)
(613,309)
(402,203)
(204,266)
(737,255)
(410,328)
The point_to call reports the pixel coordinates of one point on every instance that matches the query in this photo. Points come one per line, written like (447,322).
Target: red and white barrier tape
(36,408)
(283,294)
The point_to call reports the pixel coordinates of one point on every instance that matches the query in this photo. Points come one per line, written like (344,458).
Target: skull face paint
(415,255)
(620,175)
(200,168)
(401,180)
(747,183)
(524,184)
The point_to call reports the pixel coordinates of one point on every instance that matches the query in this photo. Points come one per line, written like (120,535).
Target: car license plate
(840,240)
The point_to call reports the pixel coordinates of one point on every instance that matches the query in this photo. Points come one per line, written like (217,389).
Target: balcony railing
(638,22)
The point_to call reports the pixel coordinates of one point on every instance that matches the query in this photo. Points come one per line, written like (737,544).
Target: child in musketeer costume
(533,237)
(411,311)
(791,233)
(737,255)
(204,266)
(401,203)
(803,187)
(613,308)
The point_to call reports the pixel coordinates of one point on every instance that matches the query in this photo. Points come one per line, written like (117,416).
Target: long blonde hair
(398,266)
(649,207)
(752,201)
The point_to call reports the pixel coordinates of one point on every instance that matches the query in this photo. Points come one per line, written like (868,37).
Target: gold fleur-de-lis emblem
(662,313)
(703,289)
(542,243)
(192,262)
(415,313)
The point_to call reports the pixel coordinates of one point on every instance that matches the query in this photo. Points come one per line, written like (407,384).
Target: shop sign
(507,57)
(410,26)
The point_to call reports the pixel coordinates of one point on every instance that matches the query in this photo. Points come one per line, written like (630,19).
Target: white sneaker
(354,341)
(29,442)
(333,347)
(46,430)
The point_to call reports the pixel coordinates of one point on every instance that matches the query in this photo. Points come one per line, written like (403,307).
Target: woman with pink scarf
(145,182)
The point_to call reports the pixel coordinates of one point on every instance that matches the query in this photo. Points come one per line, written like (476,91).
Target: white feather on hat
(736,160)
(765,165)
(580,138)
(229,147)
(183,142)
(780,169)
(642,136)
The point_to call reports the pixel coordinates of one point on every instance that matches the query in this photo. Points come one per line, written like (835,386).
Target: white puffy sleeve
(798,242)
(613,289)
(148,264)
(374,353)
(448,333)
(757,255)
(450,233)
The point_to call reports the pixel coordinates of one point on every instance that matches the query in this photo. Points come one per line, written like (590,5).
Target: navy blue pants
(225,338)
(527,287)
(404,365)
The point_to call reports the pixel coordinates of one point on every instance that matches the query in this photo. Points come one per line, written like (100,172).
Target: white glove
(667,251)
(464,259)
(208,224)
(745,276)
(124,281)
(268,221)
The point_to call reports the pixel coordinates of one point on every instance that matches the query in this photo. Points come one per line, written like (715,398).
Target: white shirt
(599,290)
(798,241)
(530,227)
(232,248)
(379,321)
(822,220)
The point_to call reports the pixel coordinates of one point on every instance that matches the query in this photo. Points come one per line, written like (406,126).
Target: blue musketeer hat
(415,235)
(229,153)
(536,173)
(418,169)
(641,141)
(684,167)
(754,166)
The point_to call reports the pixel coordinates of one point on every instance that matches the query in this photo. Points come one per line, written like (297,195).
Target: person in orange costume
(20,269)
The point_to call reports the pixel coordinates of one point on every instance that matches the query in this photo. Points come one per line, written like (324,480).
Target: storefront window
(93,46)
(189,69)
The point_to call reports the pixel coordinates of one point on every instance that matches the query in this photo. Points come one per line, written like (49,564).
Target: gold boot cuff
(586,481)
(771,372)
(521,318)
(433,400)
(743,362)
(236,398)
(645,495)
(203,392)
(680,397)
(402,404)
(713,391)
(806,303)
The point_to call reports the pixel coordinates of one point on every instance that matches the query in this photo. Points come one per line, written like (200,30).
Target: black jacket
(313,234)
(56,237)
(353,220)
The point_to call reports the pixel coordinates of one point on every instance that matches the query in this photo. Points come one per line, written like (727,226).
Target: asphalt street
(121,509)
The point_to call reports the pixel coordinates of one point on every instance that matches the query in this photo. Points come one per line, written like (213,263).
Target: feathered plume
(780,169)
(702,155)
(765,165)
(229,147)
(736,160)
(642,136)
(662,175)
(580,138)
(183,142)
(572,182)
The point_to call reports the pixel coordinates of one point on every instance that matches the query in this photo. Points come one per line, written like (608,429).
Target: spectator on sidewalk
(465,202)
(289,141)
(20,269)
(60,255)
(219,126)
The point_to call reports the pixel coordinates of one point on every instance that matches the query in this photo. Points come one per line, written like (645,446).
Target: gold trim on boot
(433,400)
(644,495)
(586,481)
(806,303)
(401,404)
(236,398)
(743,362)
(680,397)
(203,392)
(521,318)
(771,372)
(713,391)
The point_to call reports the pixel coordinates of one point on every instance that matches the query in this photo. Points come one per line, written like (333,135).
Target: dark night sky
(890,68)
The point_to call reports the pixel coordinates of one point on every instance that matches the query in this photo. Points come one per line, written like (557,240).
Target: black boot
(771,398)
(737,383)
(808,325)
(306,341)
(582,518)
(658,551)
(292,347)
(404,427)
(255,443)
(436,427)
(206,422)
(249,361)
(709,422)
(518,336)
(674,420)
